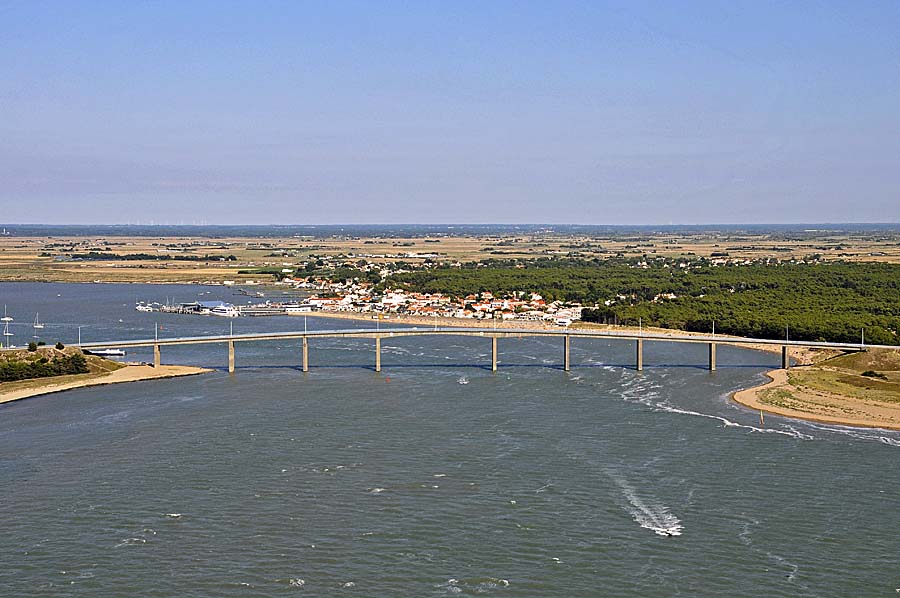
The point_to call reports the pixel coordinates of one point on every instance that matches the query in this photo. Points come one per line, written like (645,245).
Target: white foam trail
(645,394)
(745,537)
(789,431)
(876,435)
(649,515)
(794,567)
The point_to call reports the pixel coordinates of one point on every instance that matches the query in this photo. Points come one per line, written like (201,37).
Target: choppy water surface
(435,477)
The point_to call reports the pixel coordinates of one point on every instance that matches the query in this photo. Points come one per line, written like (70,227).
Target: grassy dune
(836,391)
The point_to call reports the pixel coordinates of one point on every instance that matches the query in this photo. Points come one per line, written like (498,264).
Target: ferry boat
(105,352)
(225,311)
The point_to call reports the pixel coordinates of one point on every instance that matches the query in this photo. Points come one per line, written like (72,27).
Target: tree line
(819,302)
(12,370)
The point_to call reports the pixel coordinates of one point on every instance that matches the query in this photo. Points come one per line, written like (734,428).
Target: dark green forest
(833,301)
(11,370)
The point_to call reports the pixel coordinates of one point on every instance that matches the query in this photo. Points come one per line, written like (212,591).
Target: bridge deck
(479,332)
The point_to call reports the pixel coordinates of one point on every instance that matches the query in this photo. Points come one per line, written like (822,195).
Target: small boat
(143,307)
(105,352)
(37,323)
(6,332)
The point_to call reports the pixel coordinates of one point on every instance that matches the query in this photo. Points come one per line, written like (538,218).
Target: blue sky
(415,112)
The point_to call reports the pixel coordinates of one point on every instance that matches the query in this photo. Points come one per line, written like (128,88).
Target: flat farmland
(202,259)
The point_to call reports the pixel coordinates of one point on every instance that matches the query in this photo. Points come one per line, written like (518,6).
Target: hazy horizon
(349,113)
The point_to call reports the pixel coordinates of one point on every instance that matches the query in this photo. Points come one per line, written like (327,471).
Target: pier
(490,335)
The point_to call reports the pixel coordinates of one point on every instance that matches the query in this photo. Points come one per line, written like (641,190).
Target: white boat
(5,317)
(37,323)
(143,307)
(225,311)
(106,352)
(6,332)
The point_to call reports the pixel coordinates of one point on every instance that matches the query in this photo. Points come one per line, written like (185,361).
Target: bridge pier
(377,353)
(639,355)
(305,354)
(785,358)
(230,357)
(156,359)
(712,357)
(494,354)
(566,353)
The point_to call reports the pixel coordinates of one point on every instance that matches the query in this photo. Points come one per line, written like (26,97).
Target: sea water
(434,477)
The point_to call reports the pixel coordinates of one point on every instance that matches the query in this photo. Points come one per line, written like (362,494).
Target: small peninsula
(91,370)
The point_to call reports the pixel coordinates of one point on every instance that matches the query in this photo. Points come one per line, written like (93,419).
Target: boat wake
(790,569)
(647,513)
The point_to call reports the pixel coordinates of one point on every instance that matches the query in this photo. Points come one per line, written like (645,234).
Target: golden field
(35,258)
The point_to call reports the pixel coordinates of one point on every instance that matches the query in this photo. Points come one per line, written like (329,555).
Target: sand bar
(780,397)
(14,391)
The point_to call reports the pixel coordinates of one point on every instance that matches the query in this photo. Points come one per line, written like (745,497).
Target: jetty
(491,335)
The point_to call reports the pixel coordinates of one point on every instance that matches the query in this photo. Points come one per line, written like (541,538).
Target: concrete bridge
(493,335)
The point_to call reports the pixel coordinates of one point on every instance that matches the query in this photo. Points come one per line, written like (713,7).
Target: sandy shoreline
(818,406)
(129,373)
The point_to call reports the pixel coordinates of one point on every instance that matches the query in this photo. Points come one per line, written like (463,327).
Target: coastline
(129,373)
(804,404)
(821,407)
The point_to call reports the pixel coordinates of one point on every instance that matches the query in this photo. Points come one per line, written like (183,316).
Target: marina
(228,310)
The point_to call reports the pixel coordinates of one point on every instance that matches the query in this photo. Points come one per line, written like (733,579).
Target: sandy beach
(15,391)
(781,397)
